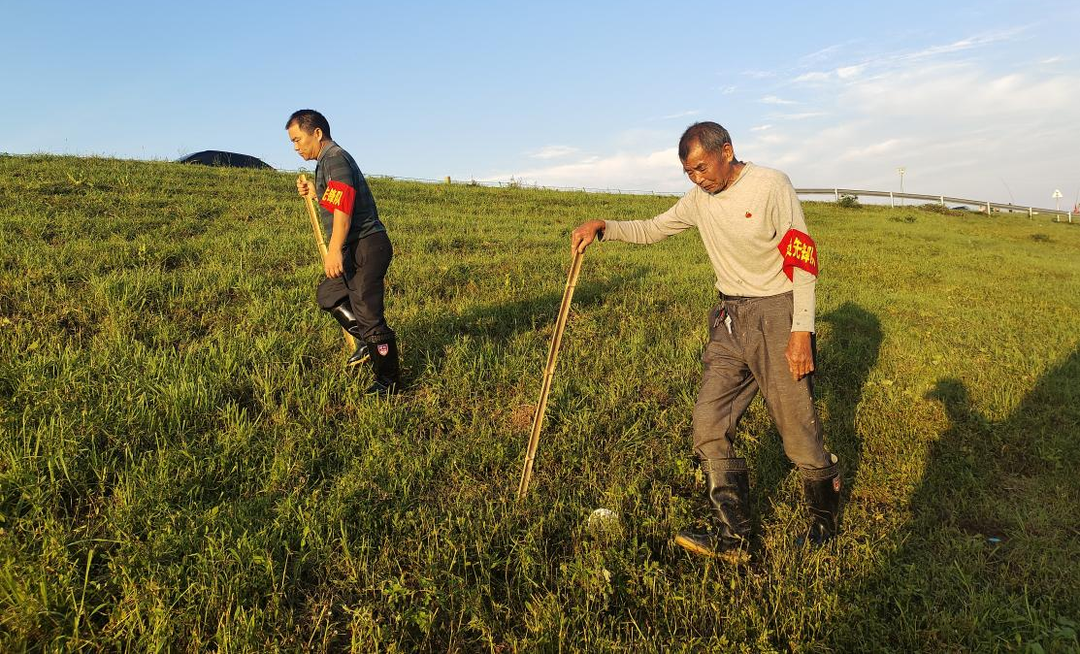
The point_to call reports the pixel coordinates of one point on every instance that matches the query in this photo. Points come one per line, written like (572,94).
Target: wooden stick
(316,227)
(549,374)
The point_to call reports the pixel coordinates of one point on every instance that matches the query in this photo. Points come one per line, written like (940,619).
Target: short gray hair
(712,137)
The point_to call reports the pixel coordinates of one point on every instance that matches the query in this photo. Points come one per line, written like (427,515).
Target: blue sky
(974,99)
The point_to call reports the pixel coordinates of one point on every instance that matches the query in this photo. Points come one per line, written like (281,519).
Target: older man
(760,332)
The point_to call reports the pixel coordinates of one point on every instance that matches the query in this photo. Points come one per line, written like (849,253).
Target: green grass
(184,465)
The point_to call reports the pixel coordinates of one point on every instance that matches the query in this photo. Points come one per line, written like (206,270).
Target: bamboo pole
(549,373)
(316,228)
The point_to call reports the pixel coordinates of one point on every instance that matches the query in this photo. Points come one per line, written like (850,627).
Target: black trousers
(365,262)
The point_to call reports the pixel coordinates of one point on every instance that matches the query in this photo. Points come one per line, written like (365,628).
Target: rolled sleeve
(804,301)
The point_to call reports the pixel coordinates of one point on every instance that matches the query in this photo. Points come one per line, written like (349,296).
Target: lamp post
(901,171)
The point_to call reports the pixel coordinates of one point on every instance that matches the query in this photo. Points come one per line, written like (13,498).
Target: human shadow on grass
(987,555)
(843,363)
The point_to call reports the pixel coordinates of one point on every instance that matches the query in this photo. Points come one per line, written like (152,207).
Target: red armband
(338,196)
(799,251)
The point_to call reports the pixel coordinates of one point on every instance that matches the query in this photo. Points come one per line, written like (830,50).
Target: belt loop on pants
(734,298)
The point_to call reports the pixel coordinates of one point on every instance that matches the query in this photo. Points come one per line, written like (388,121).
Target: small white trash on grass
(603,523)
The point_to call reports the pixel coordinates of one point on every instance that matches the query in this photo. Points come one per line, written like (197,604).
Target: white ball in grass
(602,521)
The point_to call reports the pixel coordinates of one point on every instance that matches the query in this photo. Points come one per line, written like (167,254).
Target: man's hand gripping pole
(316,228)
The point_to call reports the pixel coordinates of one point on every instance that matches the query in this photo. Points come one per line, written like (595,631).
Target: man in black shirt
(359,251)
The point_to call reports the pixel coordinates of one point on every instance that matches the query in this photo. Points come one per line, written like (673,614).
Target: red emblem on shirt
(749,215)
(338,196)
(799,251)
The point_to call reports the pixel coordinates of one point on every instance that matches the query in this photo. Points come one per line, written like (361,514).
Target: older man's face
(711,171)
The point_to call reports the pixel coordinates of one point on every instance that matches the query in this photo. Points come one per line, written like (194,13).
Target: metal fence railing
(837,193)
(982,205)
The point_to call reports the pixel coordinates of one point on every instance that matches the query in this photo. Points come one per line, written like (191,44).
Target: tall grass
(185,465)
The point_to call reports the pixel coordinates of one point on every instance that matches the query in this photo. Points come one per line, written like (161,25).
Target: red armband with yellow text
(799,251)
(338,196)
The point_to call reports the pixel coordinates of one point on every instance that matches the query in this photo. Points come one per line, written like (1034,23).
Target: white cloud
(839,74)
(964,44)
(886,62)
(727,90)
(553,152)
(966,92)
(640,139)
(804,149)
(847,72)
(758,74)
(813,77)
(820,55)
(873,150)
(961,125)
(772,139)
(960,129)
(772,99)
(766,146)
(650,171)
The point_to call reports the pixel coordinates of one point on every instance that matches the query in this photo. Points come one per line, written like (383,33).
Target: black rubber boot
(821,489)
(384,362)
(727,485)
(342,312)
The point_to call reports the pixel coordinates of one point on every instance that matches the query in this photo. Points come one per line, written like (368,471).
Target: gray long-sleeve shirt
(741,228)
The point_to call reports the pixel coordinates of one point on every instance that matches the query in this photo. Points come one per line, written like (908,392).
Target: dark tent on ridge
(221,158)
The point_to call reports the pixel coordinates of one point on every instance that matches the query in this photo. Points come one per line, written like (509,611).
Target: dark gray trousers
(365,262)
(747,359)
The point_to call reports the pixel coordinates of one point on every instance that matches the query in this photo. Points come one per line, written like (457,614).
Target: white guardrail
(982,205)
(837,193)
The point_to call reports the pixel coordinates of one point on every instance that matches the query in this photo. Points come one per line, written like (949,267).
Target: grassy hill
(185,465)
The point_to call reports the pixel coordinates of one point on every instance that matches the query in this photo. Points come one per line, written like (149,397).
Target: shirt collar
(329,143)
(742,173)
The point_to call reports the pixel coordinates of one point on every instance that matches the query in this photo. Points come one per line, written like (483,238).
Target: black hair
(307,120)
